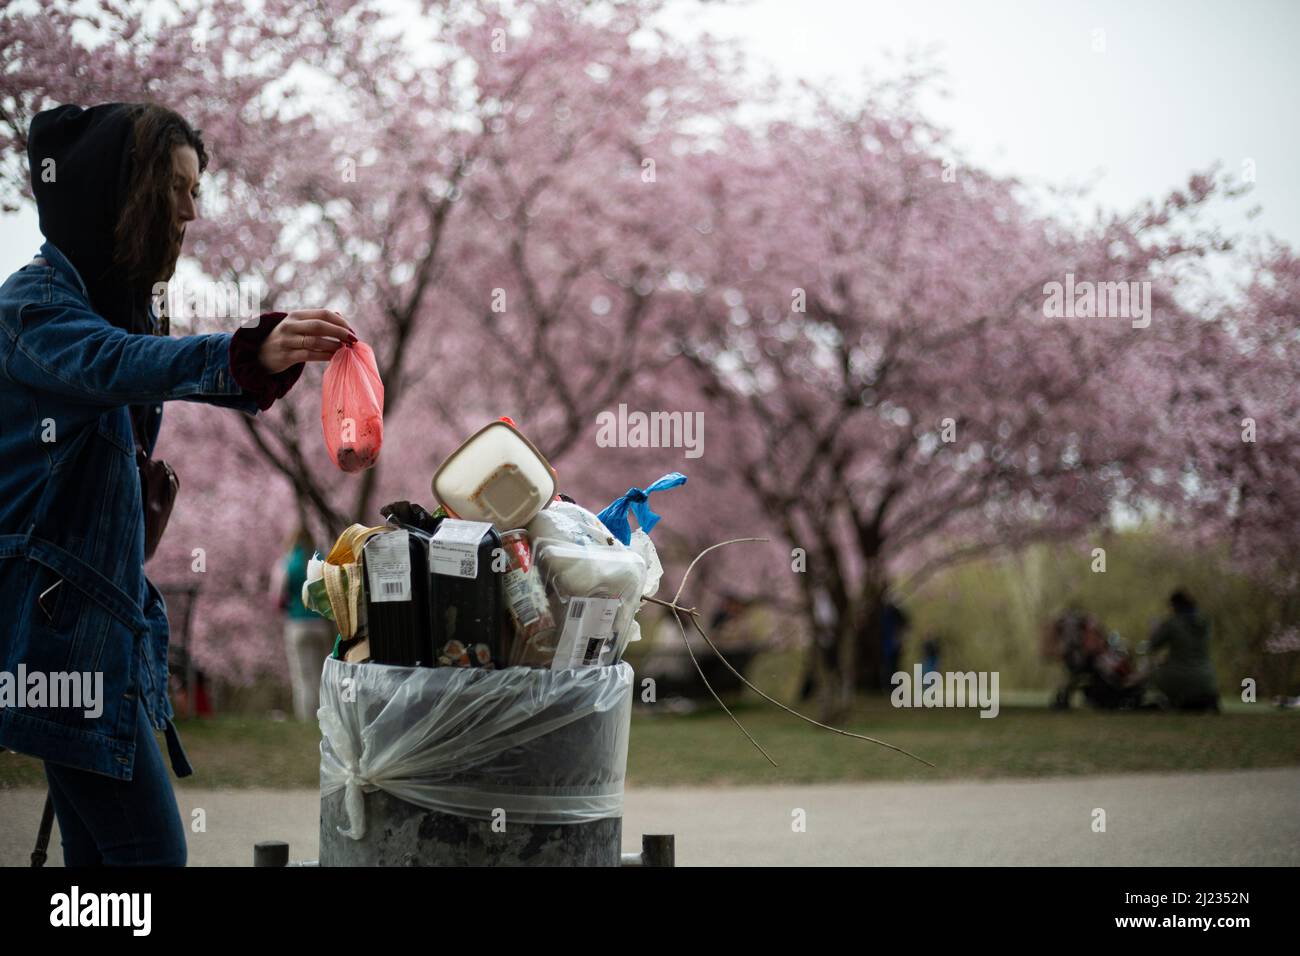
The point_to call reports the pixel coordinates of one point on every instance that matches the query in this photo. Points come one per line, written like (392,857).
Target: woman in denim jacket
(85,367)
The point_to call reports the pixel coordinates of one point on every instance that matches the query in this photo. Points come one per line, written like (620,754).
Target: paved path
(1230,818)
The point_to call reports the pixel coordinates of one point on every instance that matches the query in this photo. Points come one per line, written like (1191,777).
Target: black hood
(80,196)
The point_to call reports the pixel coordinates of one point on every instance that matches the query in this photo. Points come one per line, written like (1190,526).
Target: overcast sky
(1177,85)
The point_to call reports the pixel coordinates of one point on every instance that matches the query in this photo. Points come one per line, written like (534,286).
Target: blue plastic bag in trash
(615,516)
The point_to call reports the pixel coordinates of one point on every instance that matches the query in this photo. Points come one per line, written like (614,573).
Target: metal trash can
(463,766)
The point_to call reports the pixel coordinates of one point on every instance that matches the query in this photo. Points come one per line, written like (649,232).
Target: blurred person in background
(308,637)
(1186,677)
(930,654)
(894,624)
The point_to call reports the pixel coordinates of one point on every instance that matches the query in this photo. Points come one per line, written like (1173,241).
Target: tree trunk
(365,498)
(870,660)
(821,680)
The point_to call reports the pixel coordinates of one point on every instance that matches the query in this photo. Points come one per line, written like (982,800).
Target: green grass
(706,748)
(226,751)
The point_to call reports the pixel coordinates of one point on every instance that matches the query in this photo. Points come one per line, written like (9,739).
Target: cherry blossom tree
(552,209)
(874,325)
(1238,393)
(467,185)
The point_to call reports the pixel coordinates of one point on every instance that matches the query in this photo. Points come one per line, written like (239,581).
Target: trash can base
(401,834)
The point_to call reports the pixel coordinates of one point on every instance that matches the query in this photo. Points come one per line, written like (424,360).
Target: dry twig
(694,615)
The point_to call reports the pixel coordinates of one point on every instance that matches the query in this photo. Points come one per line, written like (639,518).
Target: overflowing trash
(478,668)
(504,572)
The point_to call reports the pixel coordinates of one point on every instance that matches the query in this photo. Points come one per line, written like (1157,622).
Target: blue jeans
(108,822)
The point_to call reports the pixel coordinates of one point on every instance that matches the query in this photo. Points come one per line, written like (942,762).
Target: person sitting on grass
(1186,677)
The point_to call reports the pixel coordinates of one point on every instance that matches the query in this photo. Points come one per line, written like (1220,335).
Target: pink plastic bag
(352,408)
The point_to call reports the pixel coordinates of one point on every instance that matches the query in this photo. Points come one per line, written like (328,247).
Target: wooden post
(658,850)
(271,853)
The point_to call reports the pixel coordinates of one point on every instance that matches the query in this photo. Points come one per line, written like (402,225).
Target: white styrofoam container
(496,475)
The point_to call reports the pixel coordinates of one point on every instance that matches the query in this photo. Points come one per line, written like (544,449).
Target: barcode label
(453,549)
(520,597)
(388,566)
(586,639)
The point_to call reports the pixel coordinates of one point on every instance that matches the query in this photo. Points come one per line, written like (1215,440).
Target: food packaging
(533,630)
(467,609)
(397,598)
(597,592)
(497,475)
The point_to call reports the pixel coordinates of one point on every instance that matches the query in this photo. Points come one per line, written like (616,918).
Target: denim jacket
(72,585)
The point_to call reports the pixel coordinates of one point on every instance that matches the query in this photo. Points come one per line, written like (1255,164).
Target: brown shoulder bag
(158,486)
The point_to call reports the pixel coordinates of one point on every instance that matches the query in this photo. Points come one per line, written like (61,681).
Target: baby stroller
(1098,663)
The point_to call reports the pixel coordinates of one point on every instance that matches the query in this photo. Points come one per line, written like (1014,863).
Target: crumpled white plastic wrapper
(315,572)
(544,746)
(643,546)
(573,524)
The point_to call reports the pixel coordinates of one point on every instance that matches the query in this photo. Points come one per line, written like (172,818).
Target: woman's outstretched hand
(309,335)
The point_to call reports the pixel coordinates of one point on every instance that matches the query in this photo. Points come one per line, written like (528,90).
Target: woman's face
(185,186)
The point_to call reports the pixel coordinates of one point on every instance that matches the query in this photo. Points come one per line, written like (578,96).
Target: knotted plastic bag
(352,408)
(615,516)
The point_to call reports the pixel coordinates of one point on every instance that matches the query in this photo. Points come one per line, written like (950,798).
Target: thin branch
(789,710)
(693,614)
(699,670)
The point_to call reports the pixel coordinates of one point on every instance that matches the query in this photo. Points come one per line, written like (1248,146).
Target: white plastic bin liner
(544,746)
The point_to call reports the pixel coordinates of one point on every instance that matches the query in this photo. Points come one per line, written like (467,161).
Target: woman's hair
(146,241)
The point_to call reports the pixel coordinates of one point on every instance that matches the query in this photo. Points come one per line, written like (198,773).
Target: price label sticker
(388,566)
(453,549)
